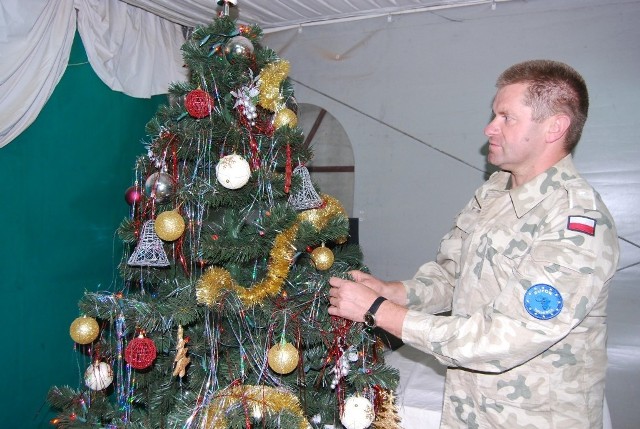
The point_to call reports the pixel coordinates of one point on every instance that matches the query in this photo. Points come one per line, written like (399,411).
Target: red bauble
(133,195)
(199,103)
(140,352)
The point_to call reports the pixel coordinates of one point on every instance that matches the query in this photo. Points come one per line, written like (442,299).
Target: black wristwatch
(370,315)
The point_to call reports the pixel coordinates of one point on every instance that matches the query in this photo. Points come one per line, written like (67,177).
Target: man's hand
(351,299)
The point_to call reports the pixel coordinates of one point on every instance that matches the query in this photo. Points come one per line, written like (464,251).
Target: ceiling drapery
(134,45)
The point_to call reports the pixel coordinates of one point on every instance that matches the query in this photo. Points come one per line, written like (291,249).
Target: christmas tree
(220,316)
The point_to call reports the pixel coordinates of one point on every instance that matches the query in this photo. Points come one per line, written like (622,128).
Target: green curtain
(63,182)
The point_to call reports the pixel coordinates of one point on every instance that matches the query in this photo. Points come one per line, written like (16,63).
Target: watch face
(369,320)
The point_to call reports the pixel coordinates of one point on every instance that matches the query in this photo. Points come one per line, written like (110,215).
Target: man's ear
(558,126)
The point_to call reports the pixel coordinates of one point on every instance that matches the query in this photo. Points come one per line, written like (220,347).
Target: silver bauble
(159,186)
(238,46)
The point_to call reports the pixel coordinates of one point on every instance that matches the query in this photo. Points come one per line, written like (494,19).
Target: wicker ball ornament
(84,330)
(98,376)
(140,352)
(283,358)
(322,258)
(199,103)
(169,225)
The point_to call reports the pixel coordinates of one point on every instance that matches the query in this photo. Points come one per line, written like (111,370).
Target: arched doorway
(332,167)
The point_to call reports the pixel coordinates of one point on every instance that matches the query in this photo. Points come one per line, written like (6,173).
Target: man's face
(516,142)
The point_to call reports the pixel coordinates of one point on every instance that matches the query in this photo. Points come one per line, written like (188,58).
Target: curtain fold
(132,50)
(189,13)
(34,52)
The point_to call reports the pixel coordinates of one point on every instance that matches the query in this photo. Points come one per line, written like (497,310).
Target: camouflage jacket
(525,273)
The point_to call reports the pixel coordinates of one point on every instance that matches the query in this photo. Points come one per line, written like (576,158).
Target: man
(525,272)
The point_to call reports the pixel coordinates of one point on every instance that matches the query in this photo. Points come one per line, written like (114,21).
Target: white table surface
(421,388)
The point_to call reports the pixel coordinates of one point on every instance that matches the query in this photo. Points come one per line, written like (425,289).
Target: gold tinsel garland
(271,77)
(216,280)
(258,399)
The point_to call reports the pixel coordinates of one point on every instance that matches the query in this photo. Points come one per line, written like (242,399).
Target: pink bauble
(133,195)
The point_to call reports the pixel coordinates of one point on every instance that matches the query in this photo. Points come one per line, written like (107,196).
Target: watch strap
(376,304)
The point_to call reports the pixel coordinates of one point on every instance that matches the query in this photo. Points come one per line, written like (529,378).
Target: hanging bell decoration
(149,251)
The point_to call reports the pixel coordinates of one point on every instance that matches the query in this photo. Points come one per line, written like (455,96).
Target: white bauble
(233,171)
(358,413)
(98,376)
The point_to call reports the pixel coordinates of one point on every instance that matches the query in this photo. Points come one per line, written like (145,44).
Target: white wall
(413,93)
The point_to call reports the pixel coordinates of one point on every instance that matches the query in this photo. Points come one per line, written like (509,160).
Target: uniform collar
(527,196)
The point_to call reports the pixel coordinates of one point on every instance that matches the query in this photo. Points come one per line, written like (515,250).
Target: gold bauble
(322,257)
(169,225)
(283,358)
(84,330)
(285,117)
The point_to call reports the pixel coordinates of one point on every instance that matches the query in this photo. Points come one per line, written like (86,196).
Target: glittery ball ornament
(84,330)
(98,376)
(140,352)
(322,258)
(169,225)
(358,413)
(233,171)
(283,358)
(159,186)
(133,195)
(199,103)
(237,47)
(285,117)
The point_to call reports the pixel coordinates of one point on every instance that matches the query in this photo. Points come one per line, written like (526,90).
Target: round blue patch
(543,301)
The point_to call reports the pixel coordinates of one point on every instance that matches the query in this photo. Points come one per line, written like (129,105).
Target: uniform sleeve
(503,333)
(431,288)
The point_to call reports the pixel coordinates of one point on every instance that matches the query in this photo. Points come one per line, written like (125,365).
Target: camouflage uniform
(526,274)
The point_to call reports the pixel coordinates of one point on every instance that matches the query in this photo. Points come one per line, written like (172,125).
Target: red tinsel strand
(287,171)
(340,329)
(255,158)
(377,398)
(247,419)
(180,255)
(175,176)
(174,153)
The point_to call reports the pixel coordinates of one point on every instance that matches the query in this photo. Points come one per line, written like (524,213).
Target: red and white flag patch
(582,224)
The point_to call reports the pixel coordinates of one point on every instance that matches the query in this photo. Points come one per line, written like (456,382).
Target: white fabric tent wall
(413,93)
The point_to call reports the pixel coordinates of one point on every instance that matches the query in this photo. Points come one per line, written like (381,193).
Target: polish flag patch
(582,224)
